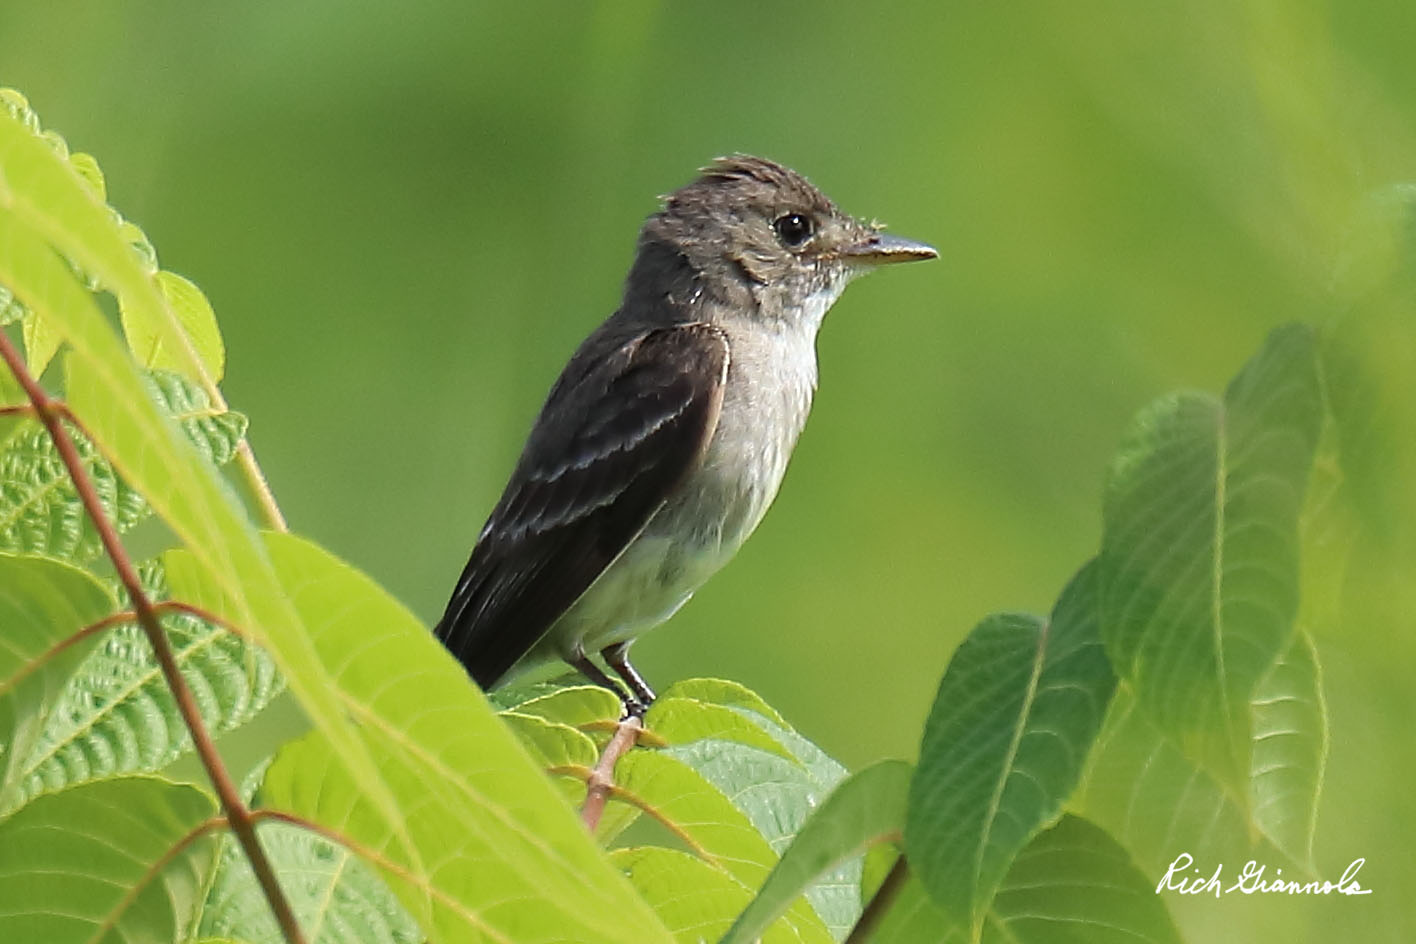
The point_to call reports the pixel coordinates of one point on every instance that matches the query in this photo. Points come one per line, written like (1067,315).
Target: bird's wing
(606,451)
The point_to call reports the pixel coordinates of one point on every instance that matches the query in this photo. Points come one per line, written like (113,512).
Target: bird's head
(760,238)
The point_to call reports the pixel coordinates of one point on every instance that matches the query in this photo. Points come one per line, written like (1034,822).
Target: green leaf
(707,820)
(109,862)
(867,808)
(42,341)
(336,898)
(42,603)
(1071,884)
(196,320)
(1158,802)
(42,188)
(775,782)
(1199,562)
(693,899)
(1006,741)
(116,714)
(575,705)
(496,851)
(105,389)
(40,511)
(1290,744)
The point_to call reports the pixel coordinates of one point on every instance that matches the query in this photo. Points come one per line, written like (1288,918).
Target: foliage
(1172,699)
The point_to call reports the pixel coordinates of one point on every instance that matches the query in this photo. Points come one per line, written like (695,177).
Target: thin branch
(602,777)
(255,478)
(50,413)
(880,902)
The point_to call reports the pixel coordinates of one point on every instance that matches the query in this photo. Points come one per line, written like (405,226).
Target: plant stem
(50,413)
(602,777)
(880,902)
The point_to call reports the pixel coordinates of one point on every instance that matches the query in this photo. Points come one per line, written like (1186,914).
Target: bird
(663,441)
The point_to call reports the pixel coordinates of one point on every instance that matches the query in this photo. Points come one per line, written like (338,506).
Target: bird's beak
(881,248)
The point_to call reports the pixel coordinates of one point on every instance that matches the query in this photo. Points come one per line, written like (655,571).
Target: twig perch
(602,777)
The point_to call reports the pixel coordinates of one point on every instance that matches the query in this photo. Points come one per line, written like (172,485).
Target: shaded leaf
(337,899)
(1072,885)
(1199,563)
(40,511)
(91,864)
(116,714)
(866,809)
(42,603)
(1289,750)
(1005,743)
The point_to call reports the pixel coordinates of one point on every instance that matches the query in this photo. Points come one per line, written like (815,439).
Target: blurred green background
(407,216)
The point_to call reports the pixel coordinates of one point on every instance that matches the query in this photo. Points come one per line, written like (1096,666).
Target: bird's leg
(632,705)
(618,658)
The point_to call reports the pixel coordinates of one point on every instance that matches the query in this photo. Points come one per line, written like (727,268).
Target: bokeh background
(408,214)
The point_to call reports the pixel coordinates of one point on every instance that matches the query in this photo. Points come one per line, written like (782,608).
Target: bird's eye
(793,228)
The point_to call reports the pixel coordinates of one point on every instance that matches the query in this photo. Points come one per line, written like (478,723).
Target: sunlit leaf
(496,851)
(693,899)
(45,202)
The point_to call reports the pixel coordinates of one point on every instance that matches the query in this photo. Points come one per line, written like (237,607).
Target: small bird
(667,434)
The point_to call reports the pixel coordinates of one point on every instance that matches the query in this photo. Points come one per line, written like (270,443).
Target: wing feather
(609,447)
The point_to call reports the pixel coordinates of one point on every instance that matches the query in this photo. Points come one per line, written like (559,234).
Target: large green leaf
(336,898)
(497,853)
(116,714)
(1199,562)
(1072,885)
(46,205)
(1158,802)
(106,863)
(1006,741)
(42,603)
(867,808)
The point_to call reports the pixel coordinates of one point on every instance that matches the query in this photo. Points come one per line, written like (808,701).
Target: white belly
(710,515)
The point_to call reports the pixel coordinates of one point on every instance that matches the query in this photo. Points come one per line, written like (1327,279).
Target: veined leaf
(693,899)
(336,898)
(40,511)
(667,786)
(1006,741)
(1160,803)
(1199,562)
(865,809)
(1290,743)
(105,389)
(116,714)
(1072,883)
(496,853)
(775,783)
(42,603)
(108,862)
